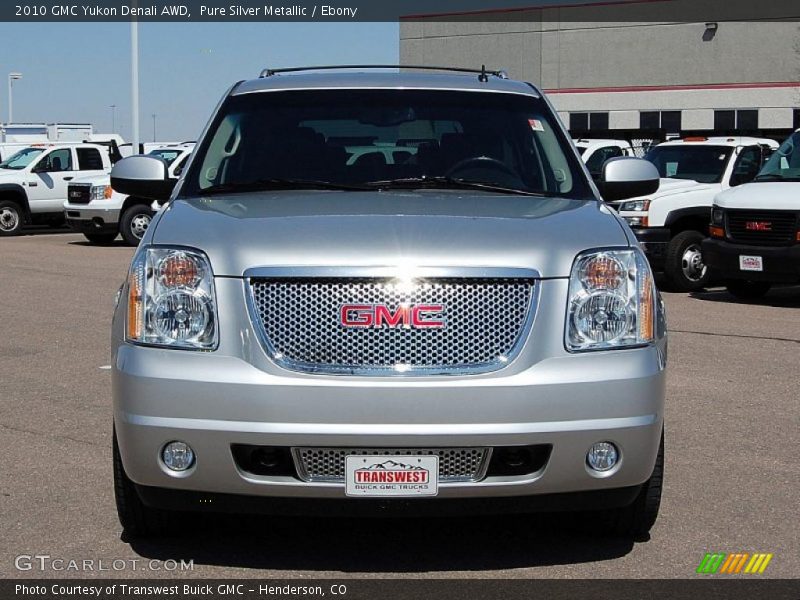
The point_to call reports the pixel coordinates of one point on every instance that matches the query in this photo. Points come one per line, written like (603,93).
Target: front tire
(684,266)
(748,290)
(637,519)
(134,222)
(137,520)
(11,218)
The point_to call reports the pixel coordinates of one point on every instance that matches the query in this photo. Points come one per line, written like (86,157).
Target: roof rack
(483,73)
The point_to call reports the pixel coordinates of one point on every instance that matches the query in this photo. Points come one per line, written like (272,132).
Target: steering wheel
(479,161)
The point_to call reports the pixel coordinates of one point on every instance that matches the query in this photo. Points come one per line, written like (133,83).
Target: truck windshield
(381,139)
(704,164)
(21,159)
(168,155)
(784,164)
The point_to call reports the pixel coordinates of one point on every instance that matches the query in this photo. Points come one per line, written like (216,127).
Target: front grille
(484,322)
(327,464)
(767,227)
(79,193)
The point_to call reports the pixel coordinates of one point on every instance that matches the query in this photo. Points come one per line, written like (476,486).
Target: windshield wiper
(443,182)
(279,184)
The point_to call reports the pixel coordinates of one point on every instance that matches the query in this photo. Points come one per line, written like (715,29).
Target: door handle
(68,178)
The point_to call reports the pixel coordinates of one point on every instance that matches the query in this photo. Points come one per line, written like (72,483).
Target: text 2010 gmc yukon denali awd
(387,291)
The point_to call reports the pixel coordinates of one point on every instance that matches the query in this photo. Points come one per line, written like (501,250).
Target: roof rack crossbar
(482,72)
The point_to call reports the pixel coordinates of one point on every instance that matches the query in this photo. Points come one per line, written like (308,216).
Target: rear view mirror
(626,177)
(143,177)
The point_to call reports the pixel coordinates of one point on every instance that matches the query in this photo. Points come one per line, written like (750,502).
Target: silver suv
(387,292)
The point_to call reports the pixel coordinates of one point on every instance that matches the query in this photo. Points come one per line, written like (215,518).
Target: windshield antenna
(483,77)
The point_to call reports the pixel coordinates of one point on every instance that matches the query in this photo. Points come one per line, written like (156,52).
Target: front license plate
(391,475)
(751,263)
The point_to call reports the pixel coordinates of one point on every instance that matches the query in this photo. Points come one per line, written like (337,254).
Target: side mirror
(143,177)
(626,177)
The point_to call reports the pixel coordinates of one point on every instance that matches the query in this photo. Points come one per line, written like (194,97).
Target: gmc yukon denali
(391,293)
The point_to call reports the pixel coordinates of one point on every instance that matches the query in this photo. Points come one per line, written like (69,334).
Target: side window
(747,165)
(599,157)
(89,159)
(56,161)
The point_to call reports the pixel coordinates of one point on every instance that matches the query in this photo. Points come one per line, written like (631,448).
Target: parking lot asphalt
(731,472)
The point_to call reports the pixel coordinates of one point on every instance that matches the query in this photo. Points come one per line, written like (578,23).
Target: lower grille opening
(264,460)
(516,461)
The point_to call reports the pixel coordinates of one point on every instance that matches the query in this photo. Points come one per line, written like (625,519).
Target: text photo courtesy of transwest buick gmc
(392,292)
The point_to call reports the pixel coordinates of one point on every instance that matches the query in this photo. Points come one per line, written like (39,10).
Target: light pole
(135,87)
(154,127)
(11,78)
(113,108)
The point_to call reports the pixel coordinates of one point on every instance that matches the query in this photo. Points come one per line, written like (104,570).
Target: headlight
(611,301)
(171,299)
(101,192)
(635,206)
(717,216)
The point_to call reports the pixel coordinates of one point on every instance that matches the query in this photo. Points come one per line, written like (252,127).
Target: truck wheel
(637,519)
(747,290)
(134,222)
(684,266)
(11,218)
(102,239)
(137,520)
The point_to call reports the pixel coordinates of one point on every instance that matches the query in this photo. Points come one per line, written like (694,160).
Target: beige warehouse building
(679,66)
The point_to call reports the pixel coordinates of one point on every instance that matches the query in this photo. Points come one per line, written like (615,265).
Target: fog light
(602,456)
(178,456)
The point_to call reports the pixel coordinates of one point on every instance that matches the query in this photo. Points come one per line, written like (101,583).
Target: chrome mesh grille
(327,464)
(300,319)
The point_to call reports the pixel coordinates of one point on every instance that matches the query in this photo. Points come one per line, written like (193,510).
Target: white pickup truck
(100,213)
(672,223)
(33,182)
(755,229)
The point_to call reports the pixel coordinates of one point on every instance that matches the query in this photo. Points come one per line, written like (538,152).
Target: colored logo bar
(734,563)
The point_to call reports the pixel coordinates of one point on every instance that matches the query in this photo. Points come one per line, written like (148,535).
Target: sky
(74,72)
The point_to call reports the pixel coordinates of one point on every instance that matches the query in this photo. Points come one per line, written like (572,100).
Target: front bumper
(654,242)
(87,218)
(235,395)
(781,263)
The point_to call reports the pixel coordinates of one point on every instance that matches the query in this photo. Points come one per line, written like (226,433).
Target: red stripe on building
(676,88)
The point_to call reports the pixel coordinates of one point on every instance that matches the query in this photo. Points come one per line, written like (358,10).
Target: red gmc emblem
(408,316)
(758,226)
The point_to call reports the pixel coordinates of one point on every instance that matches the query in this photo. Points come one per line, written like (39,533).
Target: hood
(104,179)
(385,229)
(669,186)
(767,195)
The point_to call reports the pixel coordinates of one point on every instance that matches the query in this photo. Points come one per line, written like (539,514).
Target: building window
(729,120)
(579,121)
(724,119)
(747,119)
(796,119)
(598,120)
(584,121)
(650,119)
(669,120)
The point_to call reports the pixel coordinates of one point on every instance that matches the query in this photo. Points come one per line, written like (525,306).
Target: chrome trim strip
(391,272)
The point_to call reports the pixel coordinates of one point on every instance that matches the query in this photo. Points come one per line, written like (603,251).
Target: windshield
(21,159)
(704,164)
(784,164)
(168,155)
(379,139)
